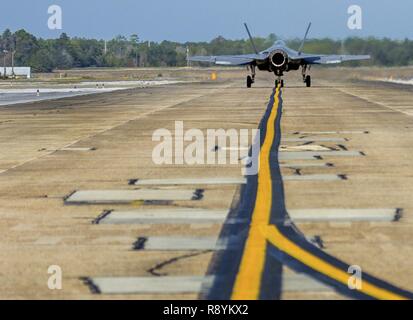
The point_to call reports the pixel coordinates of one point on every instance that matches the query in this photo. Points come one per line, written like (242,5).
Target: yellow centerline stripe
(248,280)
(275,237)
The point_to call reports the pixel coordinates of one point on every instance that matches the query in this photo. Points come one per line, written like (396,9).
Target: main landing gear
(306,77)
(251,78)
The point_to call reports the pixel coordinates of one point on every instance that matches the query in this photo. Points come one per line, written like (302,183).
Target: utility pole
(105,50)
(147,52)
(188,63)
(12,63)
(4,63)
(13,52)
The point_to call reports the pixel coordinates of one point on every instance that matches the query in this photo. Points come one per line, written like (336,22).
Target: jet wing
(237,60)
(328,59)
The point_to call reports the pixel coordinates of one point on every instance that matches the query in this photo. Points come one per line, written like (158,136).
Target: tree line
(45,55)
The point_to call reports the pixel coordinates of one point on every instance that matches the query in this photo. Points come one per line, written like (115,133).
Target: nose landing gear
(280,82)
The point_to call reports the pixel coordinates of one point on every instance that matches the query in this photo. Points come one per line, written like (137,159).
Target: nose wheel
(279,82)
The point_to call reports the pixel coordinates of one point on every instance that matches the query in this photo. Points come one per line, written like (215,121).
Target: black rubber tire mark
(94,289)
(139,244)
(155,270)
(342,146)
(398,215)
(132,182)
(102,216)
(198,194)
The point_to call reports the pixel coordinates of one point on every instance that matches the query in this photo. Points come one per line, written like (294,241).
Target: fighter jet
(278,59)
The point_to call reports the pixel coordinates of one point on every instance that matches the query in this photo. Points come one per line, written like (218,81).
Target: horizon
(185,21)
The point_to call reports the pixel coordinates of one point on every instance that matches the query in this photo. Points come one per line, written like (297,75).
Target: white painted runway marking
(184,243)
(127,196)
(298,155)
(315,139)
(332,132)
(77,149)
(190,181)
(309,147)
(307,155)
(246,148)
(165,216)
(344,215)
(151,285)
(314,177)
(304,165)
(190,284)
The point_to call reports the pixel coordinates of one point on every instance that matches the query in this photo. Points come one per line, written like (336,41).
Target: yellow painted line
(275,237)
(248,280)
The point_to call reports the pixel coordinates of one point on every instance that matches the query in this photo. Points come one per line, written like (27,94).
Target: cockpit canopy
(280,43)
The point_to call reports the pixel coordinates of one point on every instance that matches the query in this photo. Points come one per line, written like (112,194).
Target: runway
(270,241)
(19,94)
(79,189)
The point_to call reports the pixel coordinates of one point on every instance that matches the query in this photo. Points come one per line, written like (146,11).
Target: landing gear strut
(306,77)
(251,78)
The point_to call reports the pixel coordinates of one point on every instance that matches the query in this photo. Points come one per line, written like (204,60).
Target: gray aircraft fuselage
(277,60)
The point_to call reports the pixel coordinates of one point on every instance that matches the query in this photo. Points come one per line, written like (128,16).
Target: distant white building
(18,72)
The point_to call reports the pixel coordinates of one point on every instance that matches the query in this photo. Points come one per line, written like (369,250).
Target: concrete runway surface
(79,189)
(19,93)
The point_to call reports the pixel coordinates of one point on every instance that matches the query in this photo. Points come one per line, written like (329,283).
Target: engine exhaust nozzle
(279,58)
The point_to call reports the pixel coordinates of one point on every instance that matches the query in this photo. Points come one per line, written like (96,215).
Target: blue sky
(193,20)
